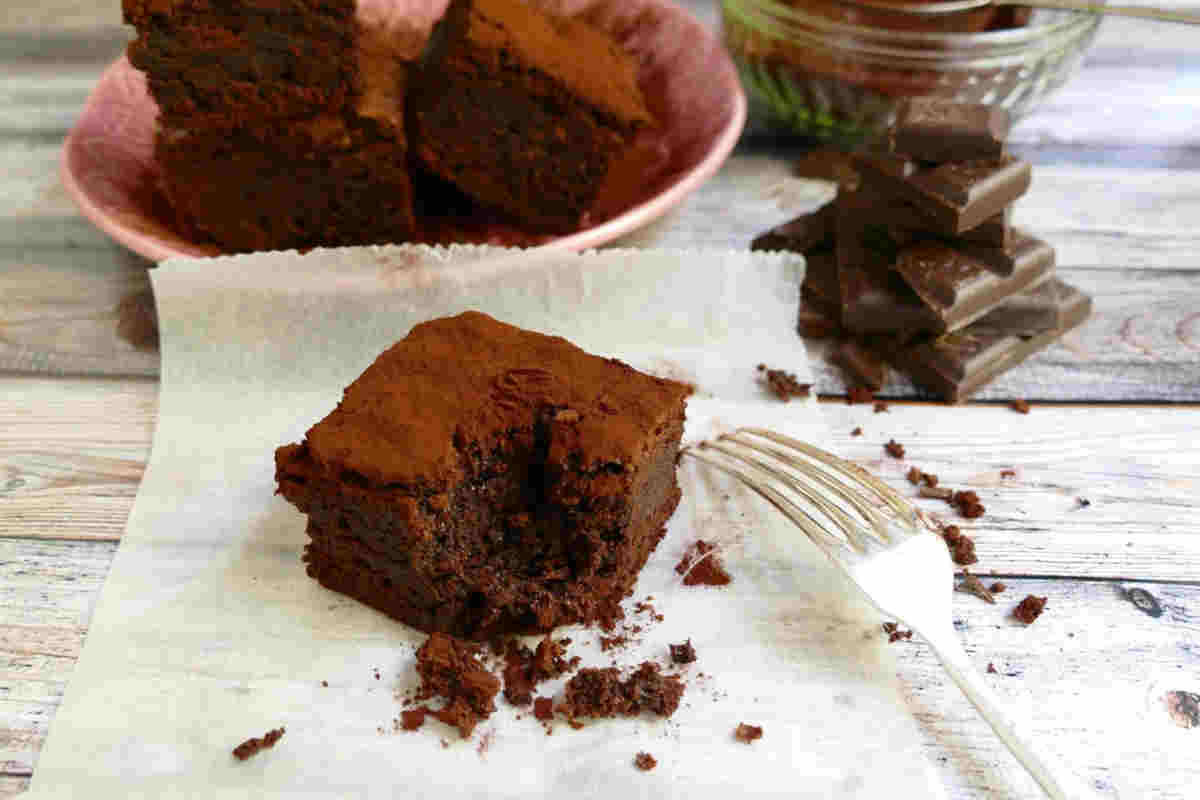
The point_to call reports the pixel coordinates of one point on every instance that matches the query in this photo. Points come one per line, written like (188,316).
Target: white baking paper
(208,632)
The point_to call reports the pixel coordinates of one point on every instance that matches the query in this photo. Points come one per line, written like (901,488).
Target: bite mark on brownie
(255,745)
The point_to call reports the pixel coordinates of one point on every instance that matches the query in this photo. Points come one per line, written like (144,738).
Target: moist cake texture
(480,479)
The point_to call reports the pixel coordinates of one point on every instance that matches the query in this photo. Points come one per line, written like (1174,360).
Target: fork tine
(847,525)
(878,523)
(795,513)
(854,473)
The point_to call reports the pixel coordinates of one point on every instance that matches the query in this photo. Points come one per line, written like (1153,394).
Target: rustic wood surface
(1116,190)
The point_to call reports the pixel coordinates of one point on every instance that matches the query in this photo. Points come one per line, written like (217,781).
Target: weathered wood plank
(1136,466)
(72,455)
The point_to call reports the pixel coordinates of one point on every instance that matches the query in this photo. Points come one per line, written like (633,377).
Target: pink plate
(689,83)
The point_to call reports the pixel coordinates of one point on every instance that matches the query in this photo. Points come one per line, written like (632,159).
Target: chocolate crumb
(1020,406)
(936,493)
(448,667)
(645,762)
(784,384)
(601,692)
(1145,602)
(859,394)
(894,449)
(894,633)
(683,653)
(324,684)
(747,733)
(255,744)
(543,708)
(702,565)
(997,587)
(1008,473)
(413,718)
(880,406)
(1029,609)
(914,475)
(971,584)
(991,668)
(525,668)
(917,477)
(1184,708)
(962,547)
(968,504)
(856,432)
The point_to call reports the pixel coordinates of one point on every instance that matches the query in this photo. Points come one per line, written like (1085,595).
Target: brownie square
(325,181)
(480,479)
(523,110)
(239,61)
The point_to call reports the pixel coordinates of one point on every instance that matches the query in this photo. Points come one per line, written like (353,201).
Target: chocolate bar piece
(937,130)
(1034,311)
(803,234)
(956,196)
(1024,249)
(959,288)
(819,290)
(862,364)
(994,231)
(958,364)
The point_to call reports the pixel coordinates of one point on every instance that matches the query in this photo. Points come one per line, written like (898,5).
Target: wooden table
(1105,495)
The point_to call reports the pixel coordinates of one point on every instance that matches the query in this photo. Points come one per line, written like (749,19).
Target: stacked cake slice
(920,265)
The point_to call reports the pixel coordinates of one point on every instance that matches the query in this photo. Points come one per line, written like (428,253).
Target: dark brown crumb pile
(747,733)
(894,449)
(916,477)
(880,406)
(967,503)
(449,668)
(856,432)
(543,708)
(784,384)
(997,587)
(412,718)
(962,547)
(524,669)
(254,744)
(600,692)
(1029,609)
(894,633)
(645,762)
(1019,406)
(702,565)
(683,653)
(859,394)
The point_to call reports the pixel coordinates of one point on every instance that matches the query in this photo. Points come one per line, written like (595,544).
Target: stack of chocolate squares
(920,266)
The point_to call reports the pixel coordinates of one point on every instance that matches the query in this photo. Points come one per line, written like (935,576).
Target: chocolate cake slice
(480,479)
(523,110)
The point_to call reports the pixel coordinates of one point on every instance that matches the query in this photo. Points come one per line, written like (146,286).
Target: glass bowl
(835,70)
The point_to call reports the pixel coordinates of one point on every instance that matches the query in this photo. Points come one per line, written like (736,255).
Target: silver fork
(887,550)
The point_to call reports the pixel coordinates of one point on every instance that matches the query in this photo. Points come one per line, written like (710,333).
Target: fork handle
(1057,781)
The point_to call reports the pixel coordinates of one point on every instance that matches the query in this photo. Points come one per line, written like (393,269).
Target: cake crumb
(683,653)
(645,762)
(324,684)
(747,733)
(859,394)
(997,587)
(968,504)
(856,432)
(895,634)
(524,668)
(543,708)
(1020,406)
(1008,473)
(449,668)
(702,565)
(784,384)
(412,718)
(894,449)
(254,745)
(880,406)
(962,547)
(991,668)
(1029,609)
(601,692)
(918,477)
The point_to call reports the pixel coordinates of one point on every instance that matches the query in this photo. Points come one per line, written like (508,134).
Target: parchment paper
(208,632)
